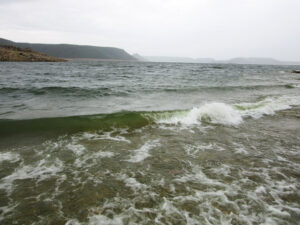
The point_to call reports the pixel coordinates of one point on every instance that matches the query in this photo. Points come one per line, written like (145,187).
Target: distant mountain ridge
(239,60)
(74,51)
(178,59)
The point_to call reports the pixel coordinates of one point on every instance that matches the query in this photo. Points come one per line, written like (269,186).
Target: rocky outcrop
(16,54)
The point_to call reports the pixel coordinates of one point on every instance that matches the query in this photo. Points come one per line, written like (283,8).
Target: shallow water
(149,143)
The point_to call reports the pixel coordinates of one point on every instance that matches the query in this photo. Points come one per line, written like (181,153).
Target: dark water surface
(149,143)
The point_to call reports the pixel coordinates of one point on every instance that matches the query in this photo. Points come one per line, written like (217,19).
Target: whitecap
(226,114)
(218,113)
(268,106)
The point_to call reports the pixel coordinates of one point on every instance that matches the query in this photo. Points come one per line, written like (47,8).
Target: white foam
(78,149)
(131,182)
(189,219)
(143,152)
(193,150)
(103,220)
(89,136)
(80,161)
(199,176)
(221,113)
(278,211)
(241,200)
(102,154)
(6,210)
(41,171)
(268,106)
(106,136)
(9,156)
(168,207)
(240,149)
(270,221)
(260,189)
(72,222)
(224,170)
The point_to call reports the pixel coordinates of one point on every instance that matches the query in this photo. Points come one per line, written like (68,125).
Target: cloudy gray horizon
(191,28)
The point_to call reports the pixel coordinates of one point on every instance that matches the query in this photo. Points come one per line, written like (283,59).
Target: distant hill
(139,57)
(74,51)
(258,61)
(16,54)
(177,59)
(240,60)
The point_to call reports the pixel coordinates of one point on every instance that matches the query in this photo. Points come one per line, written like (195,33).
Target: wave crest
(221,113)
(215,113)
(218,113)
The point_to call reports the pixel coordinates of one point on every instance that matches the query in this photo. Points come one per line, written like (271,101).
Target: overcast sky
(218,29)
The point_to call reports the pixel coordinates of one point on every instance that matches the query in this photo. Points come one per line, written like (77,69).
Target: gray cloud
(194,28)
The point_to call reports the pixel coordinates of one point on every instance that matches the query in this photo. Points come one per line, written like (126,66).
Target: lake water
(149,143)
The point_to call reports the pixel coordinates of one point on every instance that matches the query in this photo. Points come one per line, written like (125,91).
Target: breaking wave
(213,113)
(221,113)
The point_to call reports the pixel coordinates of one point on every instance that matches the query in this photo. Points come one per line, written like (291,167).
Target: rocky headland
(16,54)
